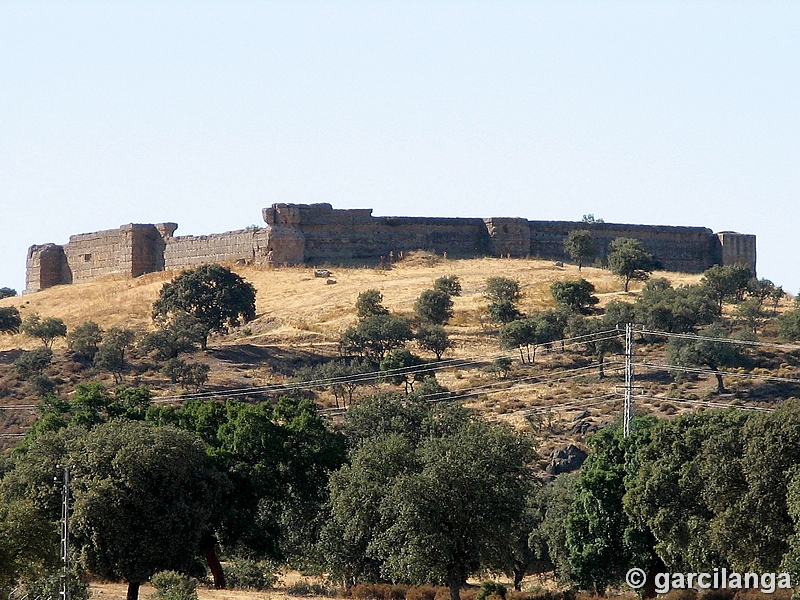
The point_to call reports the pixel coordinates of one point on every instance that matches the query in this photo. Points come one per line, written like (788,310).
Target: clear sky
(202,113)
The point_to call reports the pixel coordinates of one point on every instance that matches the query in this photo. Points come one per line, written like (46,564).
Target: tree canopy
(577,296)
(46,330)
(628,259)
(9,319)
(217,297)
(580,246)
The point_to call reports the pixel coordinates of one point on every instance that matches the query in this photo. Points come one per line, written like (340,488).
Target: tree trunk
(600,371)
(216,569)
(133,590)
(518,575)
(455,586)
(720,386)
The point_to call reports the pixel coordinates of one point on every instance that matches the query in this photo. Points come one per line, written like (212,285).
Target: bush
(307,588)
(378,591)
(50,587)
(245,574)
(491,588)
(171,585)
(421,592)
(434,307)
(33,362)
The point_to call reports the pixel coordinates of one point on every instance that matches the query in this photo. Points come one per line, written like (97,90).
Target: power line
(694,336)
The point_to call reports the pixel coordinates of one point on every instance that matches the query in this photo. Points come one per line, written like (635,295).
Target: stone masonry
(318,234)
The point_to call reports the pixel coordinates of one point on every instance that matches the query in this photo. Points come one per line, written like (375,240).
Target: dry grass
(295,307)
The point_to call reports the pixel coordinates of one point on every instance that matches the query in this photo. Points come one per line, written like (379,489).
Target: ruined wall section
(46,266)
(332,236)
(246,245)
(508,236)
(738,249)
(683,249)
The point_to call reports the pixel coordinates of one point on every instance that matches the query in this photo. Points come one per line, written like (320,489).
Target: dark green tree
(406,507)
(711,350)
(143,498)
(434,307)
(628,259)
(401,368)
(84,340)
(580,246)
(520,334)
(449,284)
(7,292)
(434,339)
(503,295)
(46,330)
(214,295)
(789,325)
(597,338)
(756,520)
(10,320)
(370,303)
(577,296)
(111,352)
(674,492)
(181,333)
(33,362)
(374,336)
(28,545)
(428,535)
(602,541)
(664,308)
(188,374)
(726,284)
(502,289)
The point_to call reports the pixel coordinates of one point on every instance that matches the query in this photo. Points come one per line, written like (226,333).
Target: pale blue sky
(674,113)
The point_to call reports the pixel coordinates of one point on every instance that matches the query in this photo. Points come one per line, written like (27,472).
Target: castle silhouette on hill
(318,234)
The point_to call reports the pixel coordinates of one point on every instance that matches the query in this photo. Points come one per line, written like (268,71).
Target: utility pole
(627,414)
(64,591)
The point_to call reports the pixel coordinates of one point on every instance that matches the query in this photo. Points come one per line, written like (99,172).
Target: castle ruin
(318,234)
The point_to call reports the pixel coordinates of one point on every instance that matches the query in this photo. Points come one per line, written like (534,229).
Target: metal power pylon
(64,588)
(627,411)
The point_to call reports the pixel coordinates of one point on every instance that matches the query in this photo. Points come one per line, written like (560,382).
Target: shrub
(448,284)
(50,586)
(377,591)
(421,592)
(491,588)
(171,585)
(304,587)
(33,362)
(245,574)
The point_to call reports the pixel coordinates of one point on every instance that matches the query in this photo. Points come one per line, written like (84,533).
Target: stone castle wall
(318,234)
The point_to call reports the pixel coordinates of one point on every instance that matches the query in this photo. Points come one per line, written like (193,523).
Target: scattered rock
(566,459)
(330,281)
(583,427)
(322,273)
(558,263)
(581,416)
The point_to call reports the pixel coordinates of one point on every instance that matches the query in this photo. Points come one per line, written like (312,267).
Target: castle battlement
(319,234)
